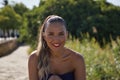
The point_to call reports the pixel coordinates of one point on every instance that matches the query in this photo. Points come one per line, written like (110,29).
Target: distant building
(9,33)
(1,33)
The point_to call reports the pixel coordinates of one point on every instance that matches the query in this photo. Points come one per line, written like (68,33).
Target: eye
(50,34)
(61,33)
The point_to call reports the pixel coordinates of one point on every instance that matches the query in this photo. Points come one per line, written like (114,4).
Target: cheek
(48,39)
(63,39)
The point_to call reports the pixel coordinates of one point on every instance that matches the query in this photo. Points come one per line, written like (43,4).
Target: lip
(56,45)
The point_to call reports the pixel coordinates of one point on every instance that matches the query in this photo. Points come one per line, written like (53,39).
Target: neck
(58,54)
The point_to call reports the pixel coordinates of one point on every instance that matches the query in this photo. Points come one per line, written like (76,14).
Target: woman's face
(55,36)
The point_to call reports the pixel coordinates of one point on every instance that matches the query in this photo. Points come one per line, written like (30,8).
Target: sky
(28,3)
(115,2)
(31,3)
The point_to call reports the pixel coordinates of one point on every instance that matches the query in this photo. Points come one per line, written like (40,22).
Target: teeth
(56,44)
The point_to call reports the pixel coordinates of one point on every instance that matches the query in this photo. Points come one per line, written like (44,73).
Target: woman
(51,60)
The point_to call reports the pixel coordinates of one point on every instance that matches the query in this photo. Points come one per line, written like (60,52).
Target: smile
(56,45)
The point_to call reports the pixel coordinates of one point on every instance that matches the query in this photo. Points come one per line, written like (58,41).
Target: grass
(101,63)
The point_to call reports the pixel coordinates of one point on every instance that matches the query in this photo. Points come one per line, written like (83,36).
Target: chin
(56,49)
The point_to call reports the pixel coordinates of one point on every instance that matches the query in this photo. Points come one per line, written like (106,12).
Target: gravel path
(14,66)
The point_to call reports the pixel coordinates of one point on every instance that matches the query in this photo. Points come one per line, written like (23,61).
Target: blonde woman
(51,60)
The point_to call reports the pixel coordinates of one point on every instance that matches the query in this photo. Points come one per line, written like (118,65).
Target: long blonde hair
(43,50)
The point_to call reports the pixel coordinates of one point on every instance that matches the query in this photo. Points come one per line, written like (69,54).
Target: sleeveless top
(65,76)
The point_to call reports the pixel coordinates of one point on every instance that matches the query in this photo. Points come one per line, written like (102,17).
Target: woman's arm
(32,67)
(79,64)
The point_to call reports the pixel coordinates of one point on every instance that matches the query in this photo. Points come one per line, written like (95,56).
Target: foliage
(20,8)
(98,18)
(9,19)
(101,63)
(29,29)
(5,2)
(84,16)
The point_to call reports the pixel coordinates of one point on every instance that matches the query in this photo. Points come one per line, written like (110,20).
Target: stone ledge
(7,47)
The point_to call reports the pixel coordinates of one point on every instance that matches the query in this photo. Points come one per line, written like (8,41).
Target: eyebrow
(59,32)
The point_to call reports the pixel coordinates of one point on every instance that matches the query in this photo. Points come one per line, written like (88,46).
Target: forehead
(55,27)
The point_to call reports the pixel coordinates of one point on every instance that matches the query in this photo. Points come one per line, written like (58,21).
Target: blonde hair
(43,50)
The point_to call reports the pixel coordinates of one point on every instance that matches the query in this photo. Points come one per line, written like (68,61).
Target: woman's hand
(54,77)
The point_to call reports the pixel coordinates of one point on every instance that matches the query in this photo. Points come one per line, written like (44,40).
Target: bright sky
(31,3)
(115,2)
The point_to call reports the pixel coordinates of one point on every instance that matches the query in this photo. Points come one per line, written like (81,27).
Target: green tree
(96,17)
(9,19)
(5,2)
(20,8)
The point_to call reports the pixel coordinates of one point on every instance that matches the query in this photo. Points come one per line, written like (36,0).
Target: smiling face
(55,35)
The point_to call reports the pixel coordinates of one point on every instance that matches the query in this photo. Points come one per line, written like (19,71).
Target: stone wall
(8,47)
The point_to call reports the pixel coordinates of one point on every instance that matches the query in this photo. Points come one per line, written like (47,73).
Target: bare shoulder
(32,66)
(76,57)
(33,57)
(78,65)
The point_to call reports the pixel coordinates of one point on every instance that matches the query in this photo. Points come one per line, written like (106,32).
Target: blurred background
(93,25)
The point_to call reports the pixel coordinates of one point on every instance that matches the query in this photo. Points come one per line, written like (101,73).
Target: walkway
(14,66)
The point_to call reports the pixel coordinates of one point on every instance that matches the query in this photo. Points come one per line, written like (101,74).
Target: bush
(101,63)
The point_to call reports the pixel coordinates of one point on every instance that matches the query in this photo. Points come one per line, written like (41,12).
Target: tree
(20,8)
(5,2)
(9,19)
(96,17)
(84,15)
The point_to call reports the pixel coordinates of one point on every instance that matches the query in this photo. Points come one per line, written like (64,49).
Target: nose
(56,38)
